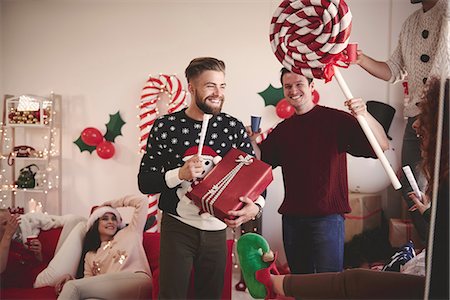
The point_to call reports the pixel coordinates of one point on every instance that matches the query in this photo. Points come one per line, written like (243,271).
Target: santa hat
(98,211)
(207,151)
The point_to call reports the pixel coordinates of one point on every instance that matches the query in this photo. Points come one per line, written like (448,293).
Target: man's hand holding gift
(248,212)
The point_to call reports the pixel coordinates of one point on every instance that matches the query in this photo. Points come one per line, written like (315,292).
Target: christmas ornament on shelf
(92,139)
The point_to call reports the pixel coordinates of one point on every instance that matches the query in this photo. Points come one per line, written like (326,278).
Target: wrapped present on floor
(401,231)
(237,174)
(365,214)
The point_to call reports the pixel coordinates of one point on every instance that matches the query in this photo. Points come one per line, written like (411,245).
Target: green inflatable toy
(252,248)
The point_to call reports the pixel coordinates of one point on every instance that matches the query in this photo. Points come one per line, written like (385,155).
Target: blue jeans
(314,244)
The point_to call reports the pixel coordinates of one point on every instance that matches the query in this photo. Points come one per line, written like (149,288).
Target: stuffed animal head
(210,158)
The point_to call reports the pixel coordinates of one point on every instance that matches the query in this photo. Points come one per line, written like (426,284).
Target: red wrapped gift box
(237,174)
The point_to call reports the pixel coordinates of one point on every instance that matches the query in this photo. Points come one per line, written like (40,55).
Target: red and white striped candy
(154,87)
(308,35)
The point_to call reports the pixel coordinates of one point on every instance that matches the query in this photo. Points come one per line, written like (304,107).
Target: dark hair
(428,122)
(284,71)
(201,64)
(91,243)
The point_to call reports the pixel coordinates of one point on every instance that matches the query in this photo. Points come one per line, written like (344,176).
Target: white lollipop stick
(412,181)
(206,118)
(368,132)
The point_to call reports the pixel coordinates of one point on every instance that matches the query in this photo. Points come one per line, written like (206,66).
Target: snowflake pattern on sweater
(171,136)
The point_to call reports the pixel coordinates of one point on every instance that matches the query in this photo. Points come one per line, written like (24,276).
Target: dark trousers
(411,156)
(184,248)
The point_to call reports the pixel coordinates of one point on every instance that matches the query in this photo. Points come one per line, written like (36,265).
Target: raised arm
(358,107)
(379,69)
(139,202)
(253,136)
(5,243)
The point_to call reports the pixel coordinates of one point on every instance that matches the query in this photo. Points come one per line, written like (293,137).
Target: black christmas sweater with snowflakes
(170,139)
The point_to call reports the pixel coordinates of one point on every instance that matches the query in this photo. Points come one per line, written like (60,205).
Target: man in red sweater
(311,149)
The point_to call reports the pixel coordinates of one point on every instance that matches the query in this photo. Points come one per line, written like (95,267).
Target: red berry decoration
(91,136)
(284,110)
(105,150)
(316,96)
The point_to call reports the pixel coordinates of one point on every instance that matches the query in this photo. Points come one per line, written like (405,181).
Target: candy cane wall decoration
(308,37)
(154,88)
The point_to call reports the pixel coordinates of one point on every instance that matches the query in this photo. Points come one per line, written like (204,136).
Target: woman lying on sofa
(115,263)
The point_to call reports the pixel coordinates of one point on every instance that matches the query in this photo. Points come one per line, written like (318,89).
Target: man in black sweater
(189,239)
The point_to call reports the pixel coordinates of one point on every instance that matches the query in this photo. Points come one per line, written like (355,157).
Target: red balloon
(316,96)
(284,109)
(105,150)
(91,136)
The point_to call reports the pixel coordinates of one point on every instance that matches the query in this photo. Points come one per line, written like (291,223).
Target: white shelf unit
(32,121)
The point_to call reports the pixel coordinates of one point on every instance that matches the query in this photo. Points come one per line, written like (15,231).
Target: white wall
(97,54)
(1,55)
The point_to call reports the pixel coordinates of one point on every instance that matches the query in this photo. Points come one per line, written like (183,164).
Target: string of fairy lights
(22,113)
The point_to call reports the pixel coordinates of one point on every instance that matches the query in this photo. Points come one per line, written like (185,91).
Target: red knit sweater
(311,150)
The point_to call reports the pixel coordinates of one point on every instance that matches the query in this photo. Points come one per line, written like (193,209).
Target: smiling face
(107,226)
(298,92)
(208,91)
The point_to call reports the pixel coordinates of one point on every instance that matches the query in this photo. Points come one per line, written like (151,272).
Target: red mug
(30,238)
(351,52)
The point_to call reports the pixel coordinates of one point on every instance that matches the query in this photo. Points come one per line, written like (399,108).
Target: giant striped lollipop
(308,37)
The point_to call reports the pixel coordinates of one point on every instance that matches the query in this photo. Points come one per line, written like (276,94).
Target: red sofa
(49,240)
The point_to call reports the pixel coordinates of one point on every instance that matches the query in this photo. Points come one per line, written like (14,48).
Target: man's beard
(206,108)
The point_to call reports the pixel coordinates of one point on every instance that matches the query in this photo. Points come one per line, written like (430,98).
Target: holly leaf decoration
(83,146)
(114,127)
(272,95)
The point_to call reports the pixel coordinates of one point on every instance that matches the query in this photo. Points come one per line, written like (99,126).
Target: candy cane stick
(368,132)
(206,118)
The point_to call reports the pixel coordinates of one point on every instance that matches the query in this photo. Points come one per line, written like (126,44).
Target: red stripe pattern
(308,35)
(153,88)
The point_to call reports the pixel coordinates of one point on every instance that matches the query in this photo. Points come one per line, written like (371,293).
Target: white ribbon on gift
(216,190)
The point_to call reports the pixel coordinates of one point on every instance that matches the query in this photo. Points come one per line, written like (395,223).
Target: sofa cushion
(49,240)
(151,247)
(40,293)
(66,259)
